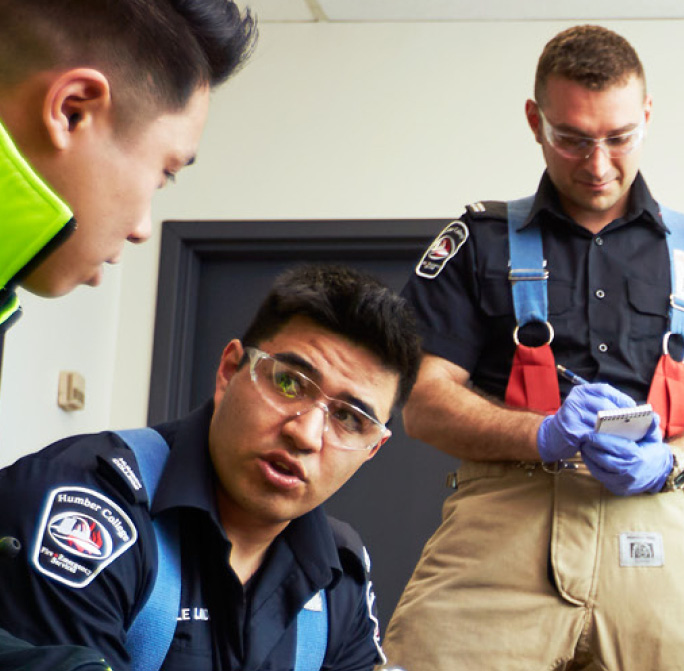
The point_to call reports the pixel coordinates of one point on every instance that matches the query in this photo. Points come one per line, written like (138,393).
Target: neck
(250,539)
(595,220)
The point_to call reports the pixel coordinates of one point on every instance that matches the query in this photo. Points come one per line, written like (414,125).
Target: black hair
(156,53)
(349,303)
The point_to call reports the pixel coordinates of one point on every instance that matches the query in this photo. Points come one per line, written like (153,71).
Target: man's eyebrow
(567,128)
(312,372)
(298,362)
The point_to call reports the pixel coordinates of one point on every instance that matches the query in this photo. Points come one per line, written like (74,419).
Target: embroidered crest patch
(445,247)
(80,533)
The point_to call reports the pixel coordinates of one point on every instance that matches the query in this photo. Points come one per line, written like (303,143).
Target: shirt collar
(33,216)
(188,477)
(641,204)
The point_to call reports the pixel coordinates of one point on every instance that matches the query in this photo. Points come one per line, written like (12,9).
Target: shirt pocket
(648,304)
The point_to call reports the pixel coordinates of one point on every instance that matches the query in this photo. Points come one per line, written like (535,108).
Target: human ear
(230,362)
(380,443)
(74,101)
(648,106)
(533,118)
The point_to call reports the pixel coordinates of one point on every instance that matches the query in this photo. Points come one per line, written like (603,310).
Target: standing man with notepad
(561,548)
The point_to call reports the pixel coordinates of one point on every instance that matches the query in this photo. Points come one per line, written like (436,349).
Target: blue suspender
(527,263)
(150,635)
(675,245)
(527,272)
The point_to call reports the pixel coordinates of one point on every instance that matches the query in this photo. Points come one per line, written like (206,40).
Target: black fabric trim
(50,247)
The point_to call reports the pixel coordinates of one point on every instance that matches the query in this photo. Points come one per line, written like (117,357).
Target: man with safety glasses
(264,579)
(562,547)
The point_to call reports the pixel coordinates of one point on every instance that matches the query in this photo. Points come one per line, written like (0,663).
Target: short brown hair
(593,56)
(156,53)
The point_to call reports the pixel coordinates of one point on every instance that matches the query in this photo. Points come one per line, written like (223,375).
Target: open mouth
(282,467)
(283,472)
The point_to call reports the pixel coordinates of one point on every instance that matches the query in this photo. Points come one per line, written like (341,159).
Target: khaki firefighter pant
(534,571)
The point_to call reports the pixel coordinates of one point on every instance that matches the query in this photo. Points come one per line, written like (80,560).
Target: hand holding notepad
(632,423)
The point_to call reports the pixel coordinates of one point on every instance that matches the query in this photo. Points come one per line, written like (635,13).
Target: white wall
(327,121)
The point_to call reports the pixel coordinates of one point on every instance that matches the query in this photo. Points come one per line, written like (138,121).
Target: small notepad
(632,423)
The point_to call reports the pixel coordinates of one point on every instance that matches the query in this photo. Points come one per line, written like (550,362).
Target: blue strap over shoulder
(527,273)
(675,245)
(312,634)
(151,633)
(527,263)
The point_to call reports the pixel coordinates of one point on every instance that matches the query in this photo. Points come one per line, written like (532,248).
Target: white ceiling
(460,10)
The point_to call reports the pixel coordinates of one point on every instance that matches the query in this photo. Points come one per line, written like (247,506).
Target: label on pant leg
(641,548)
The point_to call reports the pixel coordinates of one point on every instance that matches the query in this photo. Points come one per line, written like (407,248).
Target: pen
(569,375)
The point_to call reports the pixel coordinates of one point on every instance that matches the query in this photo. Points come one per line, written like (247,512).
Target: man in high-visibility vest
(101,104)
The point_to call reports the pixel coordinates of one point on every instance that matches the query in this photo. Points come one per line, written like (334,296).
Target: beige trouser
(532,571)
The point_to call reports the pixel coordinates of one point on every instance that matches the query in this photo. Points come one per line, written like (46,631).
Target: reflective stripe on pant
(525,574)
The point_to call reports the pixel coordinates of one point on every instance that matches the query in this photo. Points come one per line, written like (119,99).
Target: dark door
(212,277)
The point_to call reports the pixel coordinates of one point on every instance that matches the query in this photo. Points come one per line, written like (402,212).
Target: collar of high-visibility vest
(31,213)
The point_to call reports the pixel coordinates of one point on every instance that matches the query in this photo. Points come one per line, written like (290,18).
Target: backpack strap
(151,633)
(312,633)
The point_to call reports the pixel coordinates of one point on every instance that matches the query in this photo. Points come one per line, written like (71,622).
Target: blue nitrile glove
(560,435)
(626,467)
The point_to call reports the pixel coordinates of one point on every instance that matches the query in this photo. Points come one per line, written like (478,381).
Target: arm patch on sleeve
(80,533)
(444,248)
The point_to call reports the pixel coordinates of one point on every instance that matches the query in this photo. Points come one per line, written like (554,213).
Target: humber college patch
(81,532)
(445,247)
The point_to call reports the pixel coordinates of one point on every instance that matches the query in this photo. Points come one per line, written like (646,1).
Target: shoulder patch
(444,248)
(372,616)
(80,533)
(488,209)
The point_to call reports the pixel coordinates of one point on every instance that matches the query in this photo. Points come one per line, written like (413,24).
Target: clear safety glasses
(571,145)
(291,393)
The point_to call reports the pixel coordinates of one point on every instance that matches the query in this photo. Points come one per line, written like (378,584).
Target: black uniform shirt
(221,626)
(608,295)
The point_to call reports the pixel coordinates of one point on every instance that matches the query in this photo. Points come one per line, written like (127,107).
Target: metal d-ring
(516,330)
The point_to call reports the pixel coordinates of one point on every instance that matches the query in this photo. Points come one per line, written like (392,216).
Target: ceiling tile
(453,10)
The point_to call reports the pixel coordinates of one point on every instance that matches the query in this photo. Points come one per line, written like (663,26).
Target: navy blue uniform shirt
(89,560)
(608,294)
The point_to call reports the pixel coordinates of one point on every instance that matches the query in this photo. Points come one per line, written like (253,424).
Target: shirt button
(598,240)
(600,293)
(603,347)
